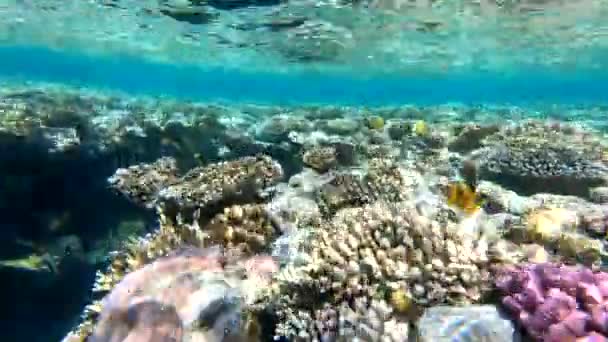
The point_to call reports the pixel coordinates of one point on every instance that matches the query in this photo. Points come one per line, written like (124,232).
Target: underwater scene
(303,170)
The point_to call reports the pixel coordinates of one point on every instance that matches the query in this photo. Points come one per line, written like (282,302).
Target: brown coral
(383,180)
(247,228)
(321,159)
(372,251)
(141,183)
(211,188)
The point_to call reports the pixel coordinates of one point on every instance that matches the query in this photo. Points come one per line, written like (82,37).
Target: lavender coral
(192,294)
(555,303)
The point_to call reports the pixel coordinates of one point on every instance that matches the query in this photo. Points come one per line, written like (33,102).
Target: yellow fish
(32,262)
(463,197)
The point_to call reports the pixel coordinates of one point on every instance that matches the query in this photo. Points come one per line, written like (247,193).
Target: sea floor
(475,222)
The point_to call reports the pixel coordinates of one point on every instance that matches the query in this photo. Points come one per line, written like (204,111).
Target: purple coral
(555,303)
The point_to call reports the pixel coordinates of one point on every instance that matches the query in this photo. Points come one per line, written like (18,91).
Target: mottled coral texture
(192,295)
(553,302)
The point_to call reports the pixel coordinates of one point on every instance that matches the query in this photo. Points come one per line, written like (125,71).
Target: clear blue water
(137,76)
(334,52)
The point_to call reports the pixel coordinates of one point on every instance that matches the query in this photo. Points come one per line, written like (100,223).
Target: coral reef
(141,183)
(188,295)
(356,205)
(536,157)
(555,302)
(206,189)
(368,253)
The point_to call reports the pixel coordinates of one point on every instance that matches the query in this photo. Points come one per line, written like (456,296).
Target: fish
(468,171)
(33,262)
(464,198)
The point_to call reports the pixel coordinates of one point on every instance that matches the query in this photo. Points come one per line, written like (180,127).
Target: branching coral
(383,180)
(369,253)
(555,302)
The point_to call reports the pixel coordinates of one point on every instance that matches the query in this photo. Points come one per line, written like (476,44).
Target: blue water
(192,82)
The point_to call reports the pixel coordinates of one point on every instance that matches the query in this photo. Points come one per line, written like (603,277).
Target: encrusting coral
(208,188)
(559,228)
(555,303)
(141,183)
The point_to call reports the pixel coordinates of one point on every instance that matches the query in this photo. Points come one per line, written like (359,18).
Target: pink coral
(554,302)
(161,301)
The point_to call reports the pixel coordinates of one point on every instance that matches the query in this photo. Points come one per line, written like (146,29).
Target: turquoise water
(388,87)
(126,73)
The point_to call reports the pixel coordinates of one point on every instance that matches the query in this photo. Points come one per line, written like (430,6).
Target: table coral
(376,253)
(383,180)
(320,158)
(554,302)
(537,157)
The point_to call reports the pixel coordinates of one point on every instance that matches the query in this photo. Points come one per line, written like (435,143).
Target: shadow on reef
(38,306)
(55,207)
(59,217)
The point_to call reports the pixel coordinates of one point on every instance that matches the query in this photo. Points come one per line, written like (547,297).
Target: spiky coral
(370,253)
